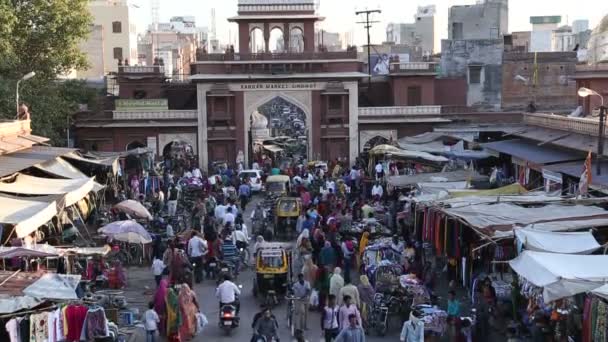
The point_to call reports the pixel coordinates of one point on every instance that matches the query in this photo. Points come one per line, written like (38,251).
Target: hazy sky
(340,15)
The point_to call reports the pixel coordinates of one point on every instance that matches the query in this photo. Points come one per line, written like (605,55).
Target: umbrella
(134,208)
(121,227)
(131,237)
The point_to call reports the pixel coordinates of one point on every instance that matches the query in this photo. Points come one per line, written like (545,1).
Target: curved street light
(24,78)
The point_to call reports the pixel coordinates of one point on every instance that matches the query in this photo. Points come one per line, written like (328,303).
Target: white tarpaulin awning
(504,216)
(63,287)
(111,162)
(44,250)
(601,291)
(26,215)
(562,275)
(74,189)
(17,303)
(554,242)
(61,168)
(564,226)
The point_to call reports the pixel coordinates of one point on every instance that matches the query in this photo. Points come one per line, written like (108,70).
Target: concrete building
(480,62)
(331,41)
(580,25)
(488,19)
(242,100)
(541,39)
(419,34)
(119,37)
(518,41)
(545,79)
(563,39)
(94,50)
(598,43)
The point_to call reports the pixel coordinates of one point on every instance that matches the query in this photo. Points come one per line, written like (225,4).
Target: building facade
(488,19)
(244,103)
(419,34)
(119,37)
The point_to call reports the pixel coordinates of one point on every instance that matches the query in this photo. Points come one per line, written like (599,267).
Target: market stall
(25,215)
(557,242)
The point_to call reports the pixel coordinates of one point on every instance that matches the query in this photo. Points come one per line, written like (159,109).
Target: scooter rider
(228,294)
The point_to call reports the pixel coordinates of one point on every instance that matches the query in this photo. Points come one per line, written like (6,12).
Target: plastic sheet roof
(562,275)
(504,216)
(27,215)
(557,242)
(74,189)
(436,177)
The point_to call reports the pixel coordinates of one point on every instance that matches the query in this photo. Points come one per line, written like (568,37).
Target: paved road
(250,306)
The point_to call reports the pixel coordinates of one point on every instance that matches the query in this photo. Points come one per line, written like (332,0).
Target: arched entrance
(134,145)
(256,40)
(178,149)
(373,142)
(296,40)
(276,41)
(278,131)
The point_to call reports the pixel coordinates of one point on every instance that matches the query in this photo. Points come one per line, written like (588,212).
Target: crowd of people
(327,263)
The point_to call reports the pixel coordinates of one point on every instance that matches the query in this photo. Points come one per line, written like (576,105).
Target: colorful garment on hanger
(74,319)
(39,327)
(95,324)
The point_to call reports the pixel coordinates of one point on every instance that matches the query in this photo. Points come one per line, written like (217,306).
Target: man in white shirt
(379,171)
(219,212)
(196,172)
(228,293)
(197,250)
(157,268)
(330,185)
(151,321)
(229,217)
(377,190)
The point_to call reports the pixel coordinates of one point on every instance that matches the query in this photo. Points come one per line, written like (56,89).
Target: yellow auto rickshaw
(278,185)
(287,210)
(273,272)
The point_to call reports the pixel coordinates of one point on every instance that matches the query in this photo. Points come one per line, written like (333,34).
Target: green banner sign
(131,105)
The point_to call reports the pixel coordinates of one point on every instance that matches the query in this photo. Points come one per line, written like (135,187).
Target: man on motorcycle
(267,326)
(258,216)
(230,253)
(197,250)
(228,294)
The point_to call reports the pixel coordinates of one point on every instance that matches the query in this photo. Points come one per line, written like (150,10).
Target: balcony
(413,67)
(155,115)
(575,125)
(269,57)
(400,111)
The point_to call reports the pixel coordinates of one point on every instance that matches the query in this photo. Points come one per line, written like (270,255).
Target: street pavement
(250,306)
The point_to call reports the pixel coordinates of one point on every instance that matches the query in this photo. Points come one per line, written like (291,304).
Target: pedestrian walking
(346,310)
(336,282)
(158,267)
(172,202)
(301,290)
(197,251)
(329,319)
(352,332)
(151,321)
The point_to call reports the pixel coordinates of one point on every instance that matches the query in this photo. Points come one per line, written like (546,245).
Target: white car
(255,177)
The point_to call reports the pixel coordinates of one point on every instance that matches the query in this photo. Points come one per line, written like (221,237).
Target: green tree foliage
(43,36)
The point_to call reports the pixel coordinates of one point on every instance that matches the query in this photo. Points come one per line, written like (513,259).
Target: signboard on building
(134,105)
(280,86)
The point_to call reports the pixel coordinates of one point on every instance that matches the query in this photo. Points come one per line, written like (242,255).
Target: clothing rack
(27,312)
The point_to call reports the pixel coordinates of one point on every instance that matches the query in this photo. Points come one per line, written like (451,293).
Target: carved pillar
(266,37)
(286,34)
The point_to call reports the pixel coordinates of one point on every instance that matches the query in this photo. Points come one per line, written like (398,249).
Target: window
(335,102)
(457,32)
(414,96)
(474,74)
(116,27)
(118,53)
(139,94)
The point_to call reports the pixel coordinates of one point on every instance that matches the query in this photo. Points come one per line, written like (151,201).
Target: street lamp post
(584,92)
(24,78)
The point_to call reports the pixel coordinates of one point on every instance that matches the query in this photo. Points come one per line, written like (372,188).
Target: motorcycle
(228,318)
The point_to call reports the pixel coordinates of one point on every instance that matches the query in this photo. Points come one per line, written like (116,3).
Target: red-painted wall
(451,91)
(400,89)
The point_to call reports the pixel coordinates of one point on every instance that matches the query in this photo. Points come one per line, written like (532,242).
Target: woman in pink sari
(189,307)
(160,305)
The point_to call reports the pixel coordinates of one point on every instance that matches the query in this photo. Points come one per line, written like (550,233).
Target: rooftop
(16,135)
